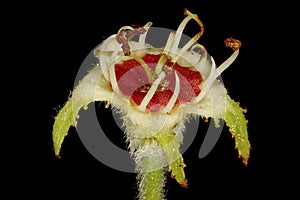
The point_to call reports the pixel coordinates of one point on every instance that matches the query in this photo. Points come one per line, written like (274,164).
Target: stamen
(227,63)
(169,43)
(201,47)
(163,58)
(142,39)
(174,97)
(194,39)
(179,33)
(235,45)
(124,36)
(98,52)
(151,92)
(112,75)
(206,84)
(123,28)
(229,42)
(201,62)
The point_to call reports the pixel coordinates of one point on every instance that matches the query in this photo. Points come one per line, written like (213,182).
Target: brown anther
(232,43)
(125,35)
(138,30)
(122,39)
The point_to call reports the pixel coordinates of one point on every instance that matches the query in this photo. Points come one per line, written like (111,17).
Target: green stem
(151,182)
(150,165)
(152,156)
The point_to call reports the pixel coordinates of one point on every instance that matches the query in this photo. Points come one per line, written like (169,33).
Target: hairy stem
(155,154)
(151,182)
(150,167)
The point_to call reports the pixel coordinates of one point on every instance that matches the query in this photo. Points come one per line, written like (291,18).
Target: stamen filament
(112,75)
(102,59)
(201,62)
(125,28)
(151,92)
(163,58)
(194,39)
(227,63)
(142,38)
(206,84)
(179,33)
(174,97)
(214,73)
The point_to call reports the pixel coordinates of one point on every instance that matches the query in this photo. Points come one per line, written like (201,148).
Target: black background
(57,39)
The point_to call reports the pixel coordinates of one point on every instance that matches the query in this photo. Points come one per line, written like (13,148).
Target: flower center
(175,83)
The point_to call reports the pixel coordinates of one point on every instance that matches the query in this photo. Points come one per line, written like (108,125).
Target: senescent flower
(157,90)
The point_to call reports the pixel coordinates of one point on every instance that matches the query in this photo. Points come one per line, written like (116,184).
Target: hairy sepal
(237,123)
(217,105)
(91,88)
(171,148)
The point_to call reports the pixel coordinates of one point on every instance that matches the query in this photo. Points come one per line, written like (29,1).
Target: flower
(157,90)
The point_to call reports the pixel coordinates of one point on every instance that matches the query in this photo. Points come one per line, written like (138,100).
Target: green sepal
(91,88)
(237,123)
(171,148)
